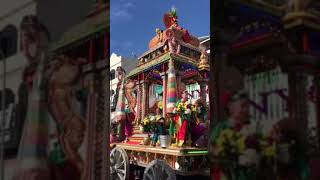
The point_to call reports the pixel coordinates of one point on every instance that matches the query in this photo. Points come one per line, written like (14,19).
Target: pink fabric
(128,126)
(128,129)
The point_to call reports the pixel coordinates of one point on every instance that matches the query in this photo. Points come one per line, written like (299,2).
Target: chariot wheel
(119,164)
(159,170)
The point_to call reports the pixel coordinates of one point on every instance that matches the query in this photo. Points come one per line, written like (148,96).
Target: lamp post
(3,104)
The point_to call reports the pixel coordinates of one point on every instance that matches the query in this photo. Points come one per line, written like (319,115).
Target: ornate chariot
(174,60)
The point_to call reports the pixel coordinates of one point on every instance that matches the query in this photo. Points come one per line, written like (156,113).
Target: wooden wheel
(119,164)
(159,170)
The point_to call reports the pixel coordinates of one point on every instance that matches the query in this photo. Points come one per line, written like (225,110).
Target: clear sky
(133,22)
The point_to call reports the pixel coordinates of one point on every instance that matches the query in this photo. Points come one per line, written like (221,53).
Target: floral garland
(184,108)
(241,153)
(249,155)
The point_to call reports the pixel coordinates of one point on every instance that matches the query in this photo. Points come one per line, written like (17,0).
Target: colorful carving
(160,36)
(172,88)
(174,46)
(204,61)
(129,90)
(171,18)
(71,127)
(173,30)
(120,108)
(124,116)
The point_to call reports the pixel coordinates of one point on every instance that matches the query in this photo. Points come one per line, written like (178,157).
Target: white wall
(12,13)
(116,61)
(15,63)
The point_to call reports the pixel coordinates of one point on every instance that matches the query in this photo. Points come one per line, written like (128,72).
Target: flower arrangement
(240,152)
(251,154)
(146,124)
(184,108)
(226,143)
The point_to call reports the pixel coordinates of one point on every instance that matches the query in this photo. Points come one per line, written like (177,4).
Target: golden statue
(204,61)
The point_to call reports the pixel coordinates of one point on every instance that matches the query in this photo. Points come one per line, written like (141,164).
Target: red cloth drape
(216,173)
(183,130)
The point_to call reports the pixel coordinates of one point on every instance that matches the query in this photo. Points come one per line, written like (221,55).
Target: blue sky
(133,22)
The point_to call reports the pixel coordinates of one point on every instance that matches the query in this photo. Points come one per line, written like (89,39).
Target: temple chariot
(158,125)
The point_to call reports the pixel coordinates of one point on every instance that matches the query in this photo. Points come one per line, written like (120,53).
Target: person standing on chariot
(120,113)
(182,118)
(32,162)
(158,130)
(199,126)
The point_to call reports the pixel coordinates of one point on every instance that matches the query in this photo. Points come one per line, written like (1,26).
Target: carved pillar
(147,97)
(139,104)
(145,104)
(298,101)
(171,87)
(106,124)
(99,126)
(107,46)
(179,86)
(91,51)
(164,93)
(91,116)
(317,85)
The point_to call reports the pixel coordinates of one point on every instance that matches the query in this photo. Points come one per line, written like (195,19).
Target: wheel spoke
(116,156)
(149,176)
(117,166)
(153,172)
(112,170)
(159,170)
(121,171)
(114,177)
(120,177)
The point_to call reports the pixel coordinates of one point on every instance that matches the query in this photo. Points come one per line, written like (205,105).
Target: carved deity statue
(204,60)
(174,46)
(171,18)
(71,127)
(129,91)
(159,35)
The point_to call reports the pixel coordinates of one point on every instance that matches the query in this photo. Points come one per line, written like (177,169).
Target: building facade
(13,63)
(118,61)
